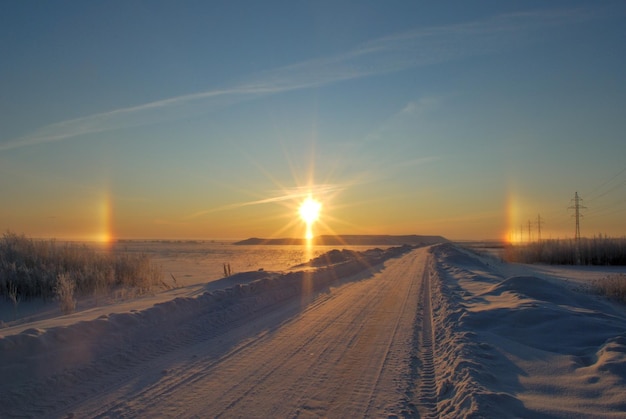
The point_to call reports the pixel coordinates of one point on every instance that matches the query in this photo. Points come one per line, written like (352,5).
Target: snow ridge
(464,383)
(522,346)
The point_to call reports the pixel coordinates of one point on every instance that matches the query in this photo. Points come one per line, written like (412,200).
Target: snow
(527,345)
(434,331)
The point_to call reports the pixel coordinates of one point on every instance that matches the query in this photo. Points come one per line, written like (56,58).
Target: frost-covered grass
(613,286)
(586,251)
(46,269)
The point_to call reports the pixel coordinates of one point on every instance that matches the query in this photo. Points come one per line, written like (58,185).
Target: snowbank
(523,346)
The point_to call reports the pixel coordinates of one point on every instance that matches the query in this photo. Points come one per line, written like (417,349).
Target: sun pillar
(309,212)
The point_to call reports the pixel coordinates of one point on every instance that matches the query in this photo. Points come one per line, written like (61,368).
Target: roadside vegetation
(31,269)
(585,251)
(613,286)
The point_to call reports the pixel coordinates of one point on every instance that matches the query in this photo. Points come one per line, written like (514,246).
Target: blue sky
(201,119)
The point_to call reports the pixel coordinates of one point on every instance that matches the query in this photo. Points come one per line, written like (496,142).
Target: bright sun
(310,212)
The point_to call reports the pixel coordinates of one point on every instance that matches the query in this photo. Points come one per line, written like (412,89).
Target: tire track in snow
(200,360)
(202,366)
(427,390)
(344,355)
(360,367)
(290,356)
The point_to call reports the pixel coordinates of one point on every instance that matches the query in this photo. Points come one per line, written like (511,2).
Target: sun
(310,212)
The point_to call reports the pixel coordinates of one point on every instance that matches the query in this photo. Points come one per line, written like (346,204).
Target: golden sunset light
(324,208)
(309,212)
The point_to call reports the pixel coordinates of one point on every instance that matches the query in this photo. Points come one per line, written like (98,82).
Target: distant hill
(351,240)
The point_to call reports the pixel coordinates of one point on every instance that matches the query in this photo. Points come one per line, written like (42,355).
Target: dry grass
(65,293)
(586,251)
(45,269)
(613,286)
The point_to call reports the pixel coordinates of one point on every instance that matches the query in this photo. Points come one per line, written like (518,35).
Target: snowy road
(345,353)
(437,332)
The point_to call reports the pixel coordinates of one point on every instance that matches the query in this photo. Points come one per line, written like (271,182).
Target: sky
(215,120)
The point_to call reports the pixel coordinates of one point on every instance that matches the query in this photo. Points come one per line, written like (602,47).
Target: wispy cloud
(145,114)
(289,194)
(421,106)
(420,47)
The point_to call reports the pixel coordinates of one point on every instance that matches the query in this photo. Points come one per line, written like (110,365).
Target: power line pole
(577,207)
(529,236)
(539,221)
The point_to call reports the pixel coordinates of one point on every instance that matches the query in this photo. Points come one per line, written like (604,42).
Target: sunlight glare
(309,212)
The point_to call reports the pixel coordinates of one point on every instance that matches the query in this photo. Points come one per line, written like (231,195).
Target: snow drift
(523,346)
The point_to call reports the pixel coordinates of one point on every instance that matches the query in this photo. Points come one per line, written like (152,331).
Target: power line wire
(597,189)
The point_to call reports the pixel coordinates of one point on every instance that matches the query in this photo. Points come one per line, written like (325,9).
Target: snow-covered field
(194,262)
(433,332)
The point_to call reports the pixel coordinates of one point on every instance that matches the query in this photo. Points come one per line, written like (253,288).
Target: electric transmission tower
(577,207)
(539,222)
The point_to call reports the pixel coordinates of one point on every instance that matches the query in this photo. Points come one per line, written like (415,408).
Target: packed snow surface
(434,331)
